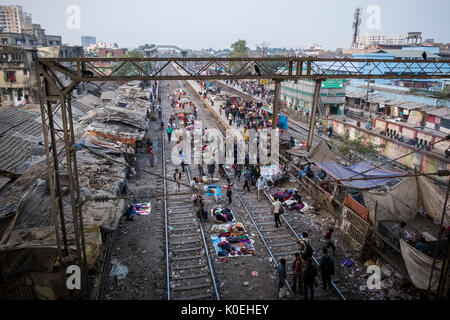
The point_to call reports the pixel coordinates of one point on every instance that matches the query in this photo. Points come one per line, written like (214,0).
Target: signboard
(263,81)
(333,83)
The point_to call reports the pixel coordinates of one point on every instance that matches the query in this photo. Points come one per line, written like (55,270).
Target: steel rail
(314,259)
(339,293)
(213,277)
(242,201)
(166,226)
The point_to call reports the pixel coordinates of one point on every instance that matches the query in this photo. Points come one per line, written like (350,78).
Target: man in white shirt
(276,209)
(261,185)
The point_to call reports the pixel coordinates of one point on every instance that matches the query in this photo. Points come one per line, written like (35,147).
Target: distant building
(298,95)
(17,76)
(13,18)
(168,50)
(111,53)
(367,40)
(31,35)
(86,41)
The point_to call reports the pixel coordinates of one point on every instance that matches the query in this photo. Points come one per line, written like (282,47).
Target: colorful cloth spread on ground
(223,215)
(232,241)
(214,190)
(287,199)
(142,208)
(268,171)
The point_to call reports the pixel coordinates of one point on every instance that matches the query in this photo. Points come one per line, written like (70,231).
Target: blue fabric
(338,171)
(219,193)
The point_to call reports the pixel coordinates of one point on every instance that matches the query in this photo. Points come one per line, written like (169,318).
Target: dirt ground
(140,244)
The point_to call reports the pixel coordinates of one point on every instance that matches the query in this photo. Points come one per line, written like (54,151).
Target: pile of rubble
(107,137)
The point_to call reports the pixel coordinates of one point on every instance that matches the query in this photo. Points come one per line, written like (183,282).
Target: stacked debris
(107,137)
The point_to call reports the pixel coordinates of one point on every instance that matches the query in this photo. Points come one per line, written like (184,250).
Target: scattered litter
(246,283)
(347,263)
(369,262)
(118,270)
(144,252)
(254,273)
(270,259)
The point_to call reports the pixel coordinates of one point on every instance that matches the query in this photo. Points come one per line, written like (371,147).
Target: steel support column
(59,140)
(312,120)
(276,102)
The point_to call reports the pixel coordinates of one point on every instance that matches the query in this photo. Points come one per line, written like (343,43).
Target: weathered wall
(430,162)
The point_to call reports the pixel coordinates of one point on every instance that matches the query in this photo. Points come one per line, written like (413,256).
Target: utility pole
(312,120)
(367,94)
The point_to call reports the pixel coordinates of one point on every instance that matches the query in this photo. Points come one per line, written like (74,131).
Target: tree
(356,149)
(444,94)
(129,69)
(263,47)
(240,50)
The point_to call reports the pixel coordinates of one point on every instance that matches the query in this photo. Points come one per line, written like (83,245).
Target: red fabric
(356,207)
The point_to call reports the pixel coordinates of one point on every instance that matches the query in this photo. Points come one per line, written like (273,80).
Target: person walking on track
(151,153)
(247,178)
(229,189)
(309,278)
(261,185)
(177,178)
(297,274)
(276,210)
(326,269)
(169,131)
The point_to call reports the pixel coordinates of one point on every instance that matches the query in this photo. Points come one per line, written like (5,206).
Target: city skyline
(196,26)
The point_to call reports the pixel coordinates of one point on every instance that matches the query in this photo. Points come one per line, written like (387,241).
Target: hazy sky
(211,23)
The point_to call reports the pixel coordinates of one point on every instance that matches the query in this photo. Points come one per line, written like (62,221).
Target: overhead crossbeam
(284,68)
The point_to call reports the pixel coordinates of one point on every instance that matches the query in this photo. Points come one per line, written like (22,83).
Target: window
(10,76)
(25,72)
(4,40)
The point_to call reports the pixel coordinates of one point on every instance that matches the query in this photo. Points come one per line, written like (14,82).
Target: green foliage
(129,69)
(240,50)
(353,150)
(274,65)
(444,94)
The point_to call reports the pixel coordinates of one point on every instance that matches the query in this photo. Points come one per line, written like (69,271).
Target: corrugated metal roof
(109,95)
(440,112)
(16,128)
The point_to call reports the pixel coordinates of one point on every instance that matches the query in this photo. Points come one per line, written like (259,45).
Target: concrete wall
(429,161)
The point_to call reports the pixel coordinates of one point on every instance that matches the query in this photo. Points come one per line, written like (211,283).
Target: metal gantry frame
(60,139)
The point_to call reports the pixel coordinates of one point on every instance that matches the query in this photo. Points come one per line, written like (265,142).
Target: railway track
(190,275)
(280,242)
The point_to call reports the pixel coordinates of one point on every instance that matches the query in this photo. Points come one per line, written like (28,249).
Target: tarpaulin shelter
(321,153)
(419,266)
(340,172)
(281,121)
(403,201)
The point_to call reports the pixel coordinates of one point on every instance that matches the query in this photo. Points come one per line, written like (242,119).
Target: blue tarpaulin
(339,172)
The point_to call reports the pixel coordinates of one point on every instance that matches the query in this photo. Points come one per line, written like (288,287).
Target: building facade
(17,76)
(367,40)
(298,95)
(86,41)
(13,18)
